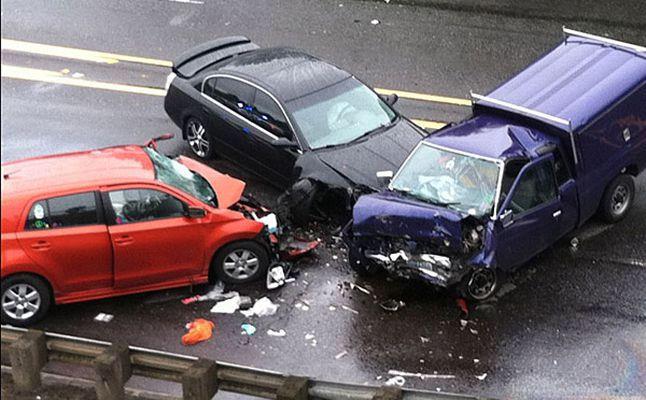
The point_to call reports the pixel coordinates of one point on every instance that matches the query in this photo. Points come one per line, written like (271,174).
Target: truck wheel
(25,300)
(241,262)
(618,198)
(481,284)
(199,140)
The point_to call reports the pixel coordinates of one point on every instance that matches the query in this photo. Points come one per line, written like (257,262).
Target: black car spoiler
(199,57)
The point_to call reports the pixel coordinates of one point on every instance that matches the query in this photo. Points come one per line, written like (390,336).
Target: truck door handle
(124,240)
(556,214)
(41,245)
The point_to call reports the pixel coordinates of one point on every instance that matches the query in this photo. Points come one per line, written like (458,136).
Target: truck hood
(360,161)
(228,190)
(389,214)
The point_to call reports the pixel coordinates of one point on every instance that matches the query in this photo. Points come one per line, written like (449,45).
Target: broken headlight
(472,237)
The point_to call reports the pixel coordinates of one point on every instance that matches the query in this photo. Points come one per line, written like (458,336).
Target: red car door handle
(124,240)
(41,245)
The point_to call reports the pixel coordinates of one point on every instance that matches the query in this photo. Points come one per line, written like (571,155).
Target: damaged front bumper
(436,269)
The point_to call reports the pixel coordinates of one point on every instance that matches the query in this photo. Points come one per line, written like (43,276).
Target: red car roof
(68,171)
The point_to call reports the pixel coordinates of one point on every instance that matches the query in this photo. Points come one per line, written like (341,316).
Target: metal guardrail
(27,351)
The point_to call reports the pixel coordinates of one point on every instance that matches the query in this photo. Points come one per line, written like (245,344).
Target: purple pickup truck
(540,155)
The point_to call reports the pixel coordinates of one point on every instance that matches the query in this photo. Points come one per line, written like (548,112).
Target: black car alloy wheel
(198,138)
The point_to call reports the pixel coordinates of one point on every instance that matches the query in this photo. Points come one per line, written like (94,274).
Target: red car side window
(138,205)
(63,212)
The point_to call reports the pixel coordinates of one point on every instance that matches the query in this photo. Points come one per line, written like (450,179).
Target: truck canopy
(575,82)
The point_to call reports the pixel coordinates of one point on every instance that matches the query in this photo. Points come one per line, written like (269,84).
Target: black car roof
(289,73)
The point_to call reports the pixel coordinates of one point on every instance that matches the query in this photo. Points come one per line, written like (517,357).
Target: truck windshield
(461,182)
(176,174)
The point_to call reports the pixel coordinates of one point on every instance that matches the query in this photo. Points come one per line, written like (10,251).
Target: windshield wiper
(409,193)
(380,128)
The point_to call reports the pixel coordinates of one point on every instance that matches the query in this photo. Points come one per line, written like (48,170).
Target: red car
(120,220)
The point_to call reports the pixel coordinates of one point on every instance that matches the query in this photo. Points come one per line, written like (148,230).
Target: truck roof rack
(524,110)
(532,114)
(611,42)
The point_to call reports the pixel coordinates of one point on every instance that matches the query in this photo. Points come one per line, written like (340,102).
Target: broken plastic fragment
(375,22)
(103,317)
(262,307)
(199,331)
(424,339)
(228,306)
(280,333)
(275,277)
(248,329)
(296,249)
(481,377)
(396,381)
(462,304)
(350,309)
(359,288)
(392,305)
(341,354)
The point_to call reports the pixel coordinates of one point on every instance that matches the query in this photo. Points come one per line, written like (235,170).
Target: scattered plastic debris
(301,306)
(275,277)
(424,339)
(332,308)
(481,377)
(574,245)
(216,293)
(261,308)
(375,22)
(473,331)
(462,305)
(280,333)
(103,317)
(295,249)
(341,355)
(248,329)
(396,381)
(309,336)
(420,375)
(198,331)
(359,288)
(228,306)
(475,360)
(392,305)
(350,309)
(463,323)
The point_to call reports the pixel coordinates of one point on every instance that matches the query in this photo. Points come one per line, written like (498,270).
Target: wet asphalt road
(567,325)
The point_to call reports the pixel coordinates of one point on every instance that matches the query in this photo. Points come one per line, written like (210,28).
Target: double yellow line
(32,74)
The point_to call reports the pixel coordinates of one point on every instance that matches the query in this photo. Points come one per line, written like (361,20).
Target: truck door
(568,196)
(529,220)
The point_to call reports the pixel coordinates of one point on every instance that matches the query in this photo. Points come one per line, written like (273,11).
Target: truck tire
(25,299)
(618,198)
(480,284)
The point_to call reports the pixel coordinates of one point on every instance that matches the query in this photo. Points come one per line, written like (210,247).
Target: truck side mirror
(507,218)
(384,177)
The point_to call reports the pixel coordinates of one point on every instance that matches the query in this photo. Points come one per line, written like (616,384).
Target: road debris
(103,317)
(297,248)
(424,339)
(228,306)
(396,381)
(276,277)
(350,309)
(248,329)
(481,377)
(301,306)
(280,333)
(216,293)
(392,305)
(359,288)
(198,331)
(261,308)
(375,22)
(341,355)
(420,375)
(462,305)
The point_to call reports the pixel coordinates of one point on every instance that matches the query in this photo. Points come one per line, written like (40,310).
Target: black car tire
(472,284)
(34,289)
(618,198)
(198,138)
(237,259)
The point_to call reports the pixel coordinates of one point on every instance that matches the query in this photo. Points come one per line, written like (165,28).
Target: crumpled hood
(228,190)
(389,214)
(359,162)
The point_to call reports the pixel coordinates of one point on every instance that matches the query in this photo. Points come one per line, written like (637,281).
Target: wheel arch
(47,282)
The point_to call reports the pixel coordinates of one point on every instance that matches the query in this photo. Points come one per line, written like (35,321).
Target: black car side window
(209,87)
(536,186)
(234,94)
(138,205)
(267,114)
(63,212)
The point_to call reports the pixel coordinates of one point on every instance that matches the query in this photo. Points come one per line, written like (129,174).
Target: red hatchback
(116,221)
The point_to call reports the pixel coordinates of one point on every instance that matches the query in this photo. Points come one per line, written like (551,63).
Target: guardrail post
(388,393)
(28,355)
(113,369)
(293,388)
(200,381)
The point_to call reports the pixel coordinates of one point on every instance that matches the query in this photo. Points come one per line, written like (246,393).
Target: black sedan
(300,122)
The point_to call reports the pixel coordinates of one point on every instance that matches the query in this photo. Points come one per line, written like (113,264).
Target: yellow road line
(39,75)
(425,97)
(426,124)
(77,54)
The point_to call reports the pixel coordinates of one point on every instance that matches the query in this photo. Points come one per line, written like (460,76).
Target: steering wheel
(138,210)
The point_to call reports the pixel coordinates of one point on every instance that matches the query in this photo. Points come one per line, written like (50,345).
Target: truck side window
(536,186)
(560,169)
(512,169)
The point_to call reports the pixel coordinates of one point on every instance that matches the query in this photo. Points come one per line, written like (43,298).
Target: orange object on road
(199,331)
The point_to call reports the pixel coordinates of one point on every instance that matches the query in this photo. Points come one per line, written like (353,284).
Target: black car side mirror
(384,177)
(285,143)
(390,99)
(195,212)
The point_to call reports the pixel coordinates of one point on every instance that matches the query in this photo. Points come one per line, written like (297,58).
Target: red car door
(67,237)
(154,243)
